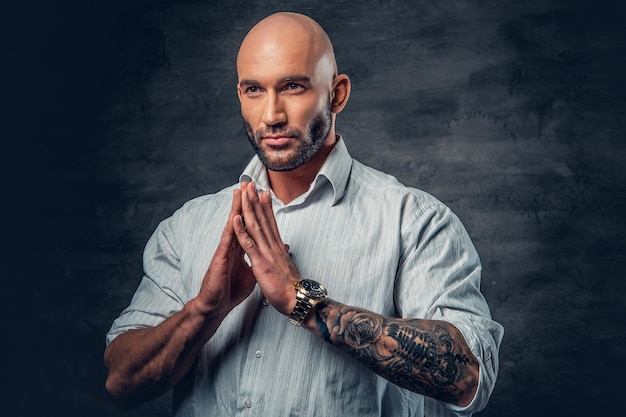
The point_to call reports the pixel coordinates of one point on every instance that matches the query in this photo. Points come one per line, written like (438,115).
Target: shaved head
(287,33)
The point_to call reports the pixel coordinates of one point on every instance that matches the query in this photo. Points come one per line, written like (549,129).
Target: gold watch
(308,294)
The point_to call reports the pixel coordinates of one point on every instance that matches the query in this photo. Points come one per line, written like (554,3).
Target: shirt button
(258,353)
(248,404)
(265,302)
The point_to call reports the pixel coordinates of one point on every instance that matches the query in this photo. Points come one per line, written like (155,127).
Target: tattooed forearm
(424,356)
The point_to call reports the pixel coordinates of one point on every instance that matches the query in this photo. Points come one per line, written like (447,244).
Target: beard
(286,158)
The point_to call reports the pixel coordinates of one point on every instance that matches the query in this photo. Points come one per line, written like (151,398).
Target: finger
(254,218)
(235,207)
(265,218)
(243,237)
(266,203)
(227,240)
(235,210)
(255,203)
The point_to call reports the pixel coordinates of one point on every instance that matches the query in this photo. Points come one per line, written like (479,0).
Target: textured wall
(511,112)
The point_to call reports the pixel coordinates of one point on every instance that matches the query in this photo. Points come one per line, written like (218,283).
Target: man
(381,281)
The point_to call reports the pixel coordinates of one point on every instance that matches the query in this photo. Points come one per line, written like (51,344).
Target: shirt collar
(336,170)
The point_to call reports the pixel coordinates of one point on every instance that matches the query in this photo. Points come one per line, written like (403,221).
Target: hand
(229,279)
(257,233)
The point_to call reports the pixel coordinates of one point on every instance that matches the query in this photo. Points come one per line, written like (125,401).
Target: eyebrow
(298,78)
(288,79)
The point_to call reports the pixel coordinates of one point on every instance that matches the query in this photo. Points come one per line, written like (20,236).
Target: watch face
(314,289)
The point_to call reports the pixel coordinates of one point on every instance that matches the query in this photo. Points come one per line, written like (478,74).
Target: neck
(289,185)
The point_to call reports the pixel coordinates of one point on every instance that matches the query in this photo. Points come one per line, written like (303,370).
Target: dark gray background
(511,112)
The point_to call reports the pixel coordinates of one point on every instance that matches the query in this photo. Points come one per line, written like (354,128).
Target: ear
(340,93)
(239,92)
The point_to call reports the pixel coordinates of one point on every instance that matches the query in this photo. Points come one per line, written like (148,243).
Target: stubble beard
(285,158)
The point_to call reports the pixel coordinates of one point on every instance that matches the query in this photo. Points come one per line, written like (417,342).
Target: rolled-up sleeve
(439,279)
(160,293)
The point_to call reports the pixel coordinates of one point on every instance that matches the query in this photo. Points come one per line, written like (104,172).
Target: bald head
(288,36)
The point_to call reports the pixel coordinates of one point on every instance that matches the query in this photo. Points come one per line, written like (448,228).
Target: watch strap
(300,311)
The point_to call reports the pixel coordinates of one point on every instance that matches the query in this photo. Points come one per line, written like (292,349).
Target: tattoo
(423,356)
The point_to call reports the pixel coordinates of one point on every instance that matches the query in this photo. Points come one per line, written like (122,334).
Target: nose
(273,112)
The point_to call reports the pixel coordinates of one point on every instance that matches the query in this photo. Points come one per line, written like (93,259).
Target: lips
(276,140)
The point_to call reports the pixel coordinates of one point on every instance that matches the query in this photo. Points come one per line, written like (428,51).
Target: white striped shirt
(373,243)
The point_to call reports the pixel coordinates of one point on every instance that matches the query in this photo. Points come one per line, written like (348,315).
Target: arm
(145,363)
(425,356)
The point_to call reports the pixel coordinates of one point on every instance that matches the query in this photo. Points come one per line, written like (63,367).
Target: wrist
(308,294)
(196,309)
(310,321)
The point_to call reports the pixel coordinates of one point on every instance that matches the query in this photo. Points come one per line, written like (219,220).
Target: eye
(294,88)
(252,90)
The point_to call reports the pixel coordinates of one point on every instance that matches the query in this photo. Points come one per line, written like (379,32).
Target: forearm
(145,363)
(424,356)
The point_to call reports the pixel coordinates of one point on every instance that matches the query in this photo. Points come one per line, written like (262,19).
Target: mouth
(276,141)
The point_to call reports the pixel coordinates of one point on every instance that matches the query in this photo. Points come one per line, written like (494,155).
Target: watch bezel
(302,286)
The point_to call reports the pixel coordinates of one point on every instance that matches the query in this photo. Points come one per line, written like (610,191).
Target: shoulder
(201,203)
(371,183)
(201,211)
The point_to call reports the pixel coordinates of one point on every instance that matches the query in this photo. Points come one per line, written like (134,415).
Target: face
(285,96)
(302,146)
